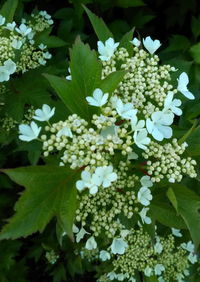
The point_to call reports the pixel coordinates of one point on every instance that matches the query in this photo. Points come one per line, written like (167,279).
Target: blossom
(16,44)
(104,255)
(148,271)
(188,247)
(81,234)
(23,29)
(2,20)
(118,246)
(107,50)
(29,132)
(10,66)
(158,125)
(75,229)
(4,74)
(172,105)
(126,111)
(146,181)
(192,258)
(158,248)
(137,125)
(141,139)
(105,175)
(136,42)
(42,46)
(99,98)
(69,77)
(91,244)
(176,232)
(144,196)
(151,45)
(112,275)
(44,114)
(159,268)
(144,217)
(65,131)
(88,181)
(183,81)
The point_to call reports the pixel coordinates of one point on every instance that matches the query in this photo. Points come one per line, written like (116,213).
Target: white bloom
(41,61)
(104,175)
(10,66)
(10,26)
(107,50)
(118,246)
(172,105)
(47,55)
(111,275)
(159,268)
(141,139)
(113,101)
(81,234)
(89,182)
(124,233)
(65,131)
(120,276)
(136,42)
(183,81)
(137,125)
(151,45)
(132,156)
(126,111)
(148,271)
(144,196)
(104,255)
(146,181)
(4,74)
(158,248)
(158,125)
(161,279)
(176,232)
(42,46)
(75,229)
(192,258)
(2,20)
(99,98)
(16,44)
(189,246)
(69,77)
(91,244)
(44,114)
(23,29)
(29,132)
(144,217)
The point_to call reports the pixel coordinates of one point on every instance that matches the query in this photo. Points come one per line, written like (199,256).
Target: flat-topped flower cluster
(121,154)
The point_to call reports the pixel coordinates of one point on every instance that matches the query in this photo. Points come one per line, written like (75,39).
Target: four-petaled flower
(144,217)
(126,111)
(183,81)
(146,181)
(118,246)
(65,131)
(171,105)
(144,196)
(99,98)
(136,42)
(141,139)
(158,269)
(29,132)
(44,114)
(23,29)
(151,45)
(105,175)
(88,181)
(107,50)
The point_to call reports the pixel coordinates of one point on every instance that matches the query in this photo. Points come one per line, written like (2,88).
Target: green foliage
(8,9)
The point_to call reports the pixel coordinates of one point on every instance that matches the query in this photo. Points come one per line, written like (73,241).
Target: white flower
(42,46)
(75,229)
(151,45)
(144,196)
(23,29)
(141,139)
(159,268)
(47,55)
(144,218)
(41,61)
(158,126)
(10,26)
(10,66)
(104,255)
(148,271)
(4,74)
(104,175)
(91,244)
(192,258)
(158,248)
(113,101)
(161,279)
(81,234)
(183,81)
(107,50)
(99,98)
(125,110)
(120,276)
(69,77)
(136,42)
(2,20)
(118,246)
(176,232)
(137,125)
(111,275)
(29,132)
(16,44)
(189,246)
(65,131)
(88,181)
(172,105)
(146,181)
(44,114)
(124,233)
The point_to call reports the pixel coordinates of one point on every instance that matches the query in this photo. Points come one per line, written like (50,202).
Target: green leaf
(195,52)
(52,41)
(193,141)
(188,206)
(110,83)
(100,28)
(129,3)
(125,41)
(49,192)
(188,133)
(8,9)
(195,26)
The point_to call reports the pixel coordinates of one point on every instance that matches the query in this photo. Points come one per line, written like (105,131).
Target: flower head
(151,45)
(183,81)
(44,114)
(99,98)
(126,111)
(118,246)
(107,50)
(29,132)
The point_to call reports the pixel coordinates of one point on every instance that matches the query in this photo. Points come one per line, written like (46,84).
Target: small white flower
(136,42)
(80,235)
(159,268)
(137,125)
(189,246)
(144,217)
(144,196)
(69,77)
(23,29)
(176,232)
(192,258)
(104,175)
(161,279)
(88,181)
(4,74)
(107,50)
(65,131)
(124,233)
(91,244)
(158,248)
(151,45)
(2,20)
(148,271)
(16,44)
(42,46)
(10,66)
(126,111)
(146,181)
(118,246)
(47,55)
(41,61)
(29,132)
(111,275)
(183,81)
(99,98)
(158,125)
(141,139)
(44,114)
(120,276)
(104,255)
(10,26)
(75,229)
(172,105)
